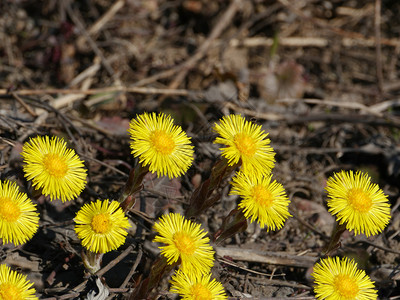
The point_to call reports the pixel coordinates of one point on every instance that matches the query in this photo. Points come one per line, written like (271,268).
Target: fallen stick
(267,257)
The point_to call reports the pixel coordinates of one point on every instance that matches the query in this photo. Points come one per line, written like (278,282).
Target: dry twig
(223,22)
(267,257)
(378,47)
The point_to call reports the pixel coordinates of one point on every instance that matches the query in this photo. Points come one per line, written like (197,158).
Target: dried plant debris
(318,81)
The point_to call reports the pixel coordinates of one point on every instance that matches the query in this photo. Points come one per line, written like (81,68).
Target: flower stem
(92,261)
(233,223)
(133,185)
(207,194)
(159,268)
(335,237)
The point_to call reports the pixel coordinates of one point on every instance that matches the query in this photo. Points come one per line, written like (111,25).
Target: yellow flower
(262,199)
(19,219)
(15,286)
(54,168)
(101,226)
(194,287)
(245,142)
(185,240)
(357,202)
(159,143)
(340,279)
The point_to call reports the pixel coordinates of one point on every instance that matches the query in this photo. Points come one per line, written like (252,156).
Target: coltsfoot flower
(357,202)
(245,142)
(19,219)
(160,144)
(340,279)
(101,226)
(184,240)
(194,287)
(15,286)
(263,200)
(54,168)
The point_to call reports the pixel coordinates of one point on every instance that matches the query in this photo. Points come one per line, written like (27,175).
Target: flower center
(162,142)
(359,200)
(101,223)
(55,165)
(245,144)
(200,292)
(184,243)
(9,291)
(262,196)
(9,210)
(346,286)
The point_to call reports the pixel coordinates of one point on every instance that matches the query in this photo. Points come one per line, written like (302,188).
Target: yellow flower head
(159,143)
(19,219)
(191,286)
(262,199)
(185,240)
(340,279)
(357,202)
(54,168)
(15,286)
(246,142)
(101,226)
